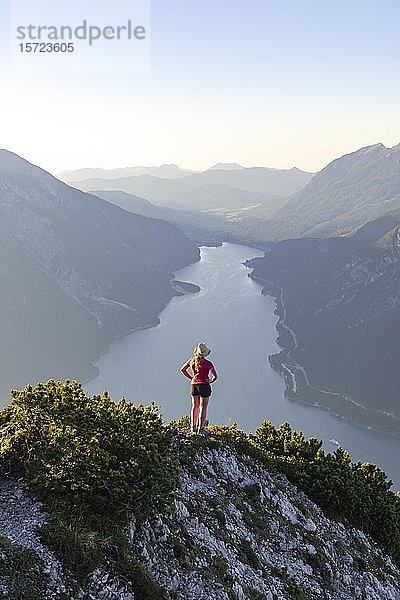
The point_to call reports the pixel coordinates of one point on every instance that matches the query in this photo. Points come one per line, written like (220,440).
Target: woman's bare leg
(203,411)
(195,412)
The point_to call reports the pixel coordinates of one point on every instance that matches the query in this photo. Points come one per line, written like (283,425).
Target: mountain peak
(367,150)
(360,156)
(351,190)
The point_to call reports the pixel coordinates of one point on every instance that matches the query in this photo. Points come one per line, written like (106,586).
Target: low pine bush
(358,493)
(109,456)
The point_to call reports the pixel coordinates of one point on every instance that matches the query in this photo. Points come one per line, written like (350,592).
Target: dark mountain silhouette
(76,271)
(341,298)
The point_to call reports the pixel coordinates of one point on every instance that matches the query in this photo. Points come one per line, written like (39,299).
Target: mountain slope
(341,298)
(199,226)
(350,191)
(76,272)
(225,167)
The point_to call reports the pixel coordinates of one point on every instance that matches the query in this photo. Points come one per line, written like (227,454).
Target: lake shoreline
(298,387)
(189,288)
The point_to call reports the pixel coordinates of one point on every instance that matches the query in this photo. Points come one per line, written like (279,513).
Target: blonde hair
(195,363)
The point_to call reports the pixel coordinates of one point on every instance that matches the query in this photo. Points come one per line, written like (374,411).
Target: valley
(102,264)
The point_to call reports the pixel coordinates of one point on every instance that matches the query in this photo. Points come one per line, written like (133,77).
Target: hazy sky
(281,84)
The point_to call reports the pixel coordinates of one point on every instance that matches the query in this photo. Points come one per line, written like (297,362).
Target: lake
(238,324)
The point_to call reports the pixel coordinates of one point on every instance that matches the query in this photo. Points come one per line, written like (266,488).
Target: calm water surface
(238,324)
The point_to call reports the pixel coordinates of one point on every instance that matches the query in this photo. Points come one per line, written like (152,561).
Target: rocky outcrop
(234,532)
(239,532)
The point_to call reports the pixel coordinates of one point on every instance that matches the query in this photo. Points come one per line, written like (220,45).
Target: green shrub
(107,455)
(358,493)
(95,462)
(183,421)
(284,442)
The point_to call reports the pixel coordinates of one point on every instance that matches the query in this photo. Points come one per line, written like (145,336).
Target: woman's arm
(184,370)
(214,374)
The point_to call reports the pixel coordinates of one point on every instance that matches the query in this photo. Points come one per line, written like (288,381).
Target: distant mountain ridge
(76,272)
(275,188)
(350,191)
(166,170)
(161,171)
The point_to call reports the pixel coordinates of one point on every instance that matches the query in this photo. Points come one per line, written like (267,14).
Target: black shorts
(200,389)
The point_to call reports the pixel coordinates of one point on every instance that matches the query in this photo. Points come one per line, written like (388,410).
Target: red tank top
(204,370)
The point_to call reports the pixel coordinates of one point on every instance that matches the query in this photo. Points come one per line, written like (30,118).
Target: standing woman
(200,388)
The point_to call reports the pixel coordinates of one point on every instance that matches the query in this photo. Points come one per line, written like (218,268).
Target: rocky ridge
(235,531)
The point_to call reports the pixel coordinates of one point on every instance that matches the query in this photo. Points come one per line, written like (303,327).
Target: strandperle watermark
(85,31)
(109,38)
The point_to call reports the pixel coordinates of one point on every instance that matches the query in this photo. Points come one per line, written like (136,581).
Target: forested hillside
(341,298)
